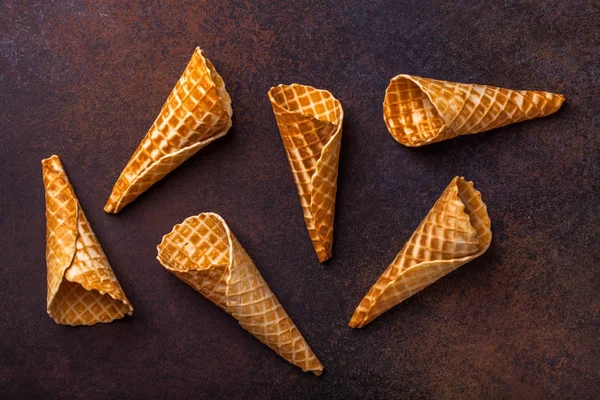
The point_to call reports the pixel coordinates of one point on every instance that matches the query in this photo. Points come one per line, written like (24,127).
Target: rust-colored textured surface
(85,79)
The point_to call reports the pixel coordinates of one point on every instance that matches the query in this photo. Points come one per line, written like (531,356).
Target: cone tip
(355,321)
(50,159)
(109,207)
(323,255)
(560,99)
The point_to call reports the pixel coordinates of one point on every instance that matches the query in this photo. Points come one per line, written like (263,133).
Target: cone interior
(200,243)
(75,305)
(476,210)
(307,100)
(410,112)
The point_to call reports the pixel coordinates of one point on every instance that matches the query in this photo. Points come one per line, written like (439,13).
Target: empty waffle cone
(310,124)
(82,288)
(456,231)
(204,253)
(419,111)
(197,112)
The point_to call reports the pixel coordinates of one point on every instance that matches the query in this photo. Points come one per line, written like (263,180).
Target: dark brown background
(85,79)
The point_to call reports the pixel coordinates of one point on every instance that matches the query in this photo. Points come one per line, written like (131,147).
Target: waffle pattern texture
(82,288)
(204,253)
(419,111)
(197,112)
(456,231)
(310,124)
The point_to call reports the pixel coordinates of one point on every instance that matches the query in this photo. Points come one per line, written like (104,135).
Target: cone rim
(166,238)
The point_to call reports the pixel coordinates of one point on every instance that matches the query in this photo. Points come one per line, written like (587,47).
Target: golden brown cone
(82,288)
(419,111)
(197,112)
(454,232)
(204,253)
(310,124)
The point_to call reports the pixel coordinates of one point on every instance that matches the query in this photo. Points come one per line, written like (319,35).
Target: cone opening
(476,209)
(75,305)
(199,243)
(307,100)
(410,114)
(219,84)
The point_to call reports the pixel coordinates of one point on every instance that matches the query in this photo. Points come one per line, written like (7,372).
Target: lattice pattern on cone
(197,112)
(310,124)
(455,231)
(419,111)
(204,253)
(82,288)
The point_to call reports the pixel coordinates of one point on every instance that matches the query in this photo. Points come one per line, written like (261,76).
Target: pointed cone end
(49,160)
(355,321)
(109,207)
(323,255)
(556,102)
(547,103)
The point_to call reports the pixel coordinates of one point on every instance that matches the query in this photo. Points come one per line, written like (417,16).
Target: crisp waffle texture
(456,230)
(82,288)
(310,124)
(419,111)
(204,253)
(197,112)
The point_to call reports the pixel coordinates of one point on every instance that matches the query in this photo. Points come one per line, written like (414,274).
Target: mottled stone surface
(85,79)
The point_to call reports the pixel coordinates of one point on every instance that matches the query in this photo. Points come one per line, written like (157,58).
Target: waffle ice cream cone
(419,111)
(456,231)
(82,288)
(204,253)
(310,124)
(197,112)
